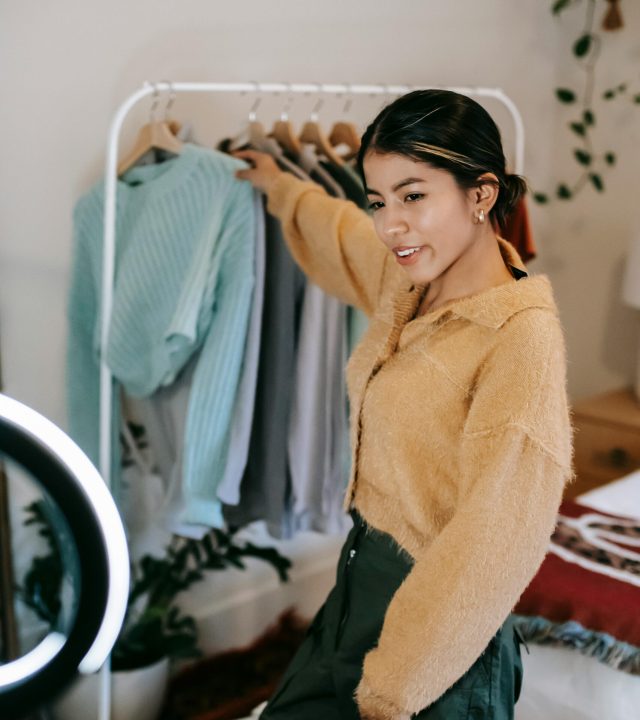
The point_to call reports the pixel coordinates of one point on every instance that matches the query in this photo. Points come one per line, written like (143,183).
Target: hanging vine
(592,162)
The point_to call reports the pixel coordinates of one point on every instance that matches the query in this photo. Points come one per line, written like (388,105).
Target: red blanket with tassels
(591,574)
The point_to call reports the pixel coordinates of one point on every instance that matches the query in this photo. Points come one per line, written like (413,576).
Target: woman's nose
(394,224)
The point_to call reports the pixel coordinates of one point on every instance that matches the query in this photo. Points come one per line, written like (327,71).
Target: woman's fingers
(263,170)
(247,154)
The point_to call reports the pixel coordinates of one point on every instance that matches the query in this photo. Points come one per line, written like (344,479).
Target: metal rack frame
(111,177)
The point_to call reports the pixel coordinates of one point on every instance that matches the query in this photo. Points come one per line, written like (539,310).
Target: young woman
(460,426)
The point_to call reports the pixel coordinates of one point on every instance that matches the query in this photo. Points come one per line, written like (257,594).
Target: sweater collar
(491,307)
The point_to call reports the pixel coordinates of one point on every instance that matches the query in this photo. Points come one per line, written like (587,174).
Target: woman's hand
(264,171)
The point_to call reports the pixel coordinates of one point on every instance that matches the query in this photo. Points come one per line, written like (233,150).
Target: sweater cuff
(381,694)
(373,706)
(285,189)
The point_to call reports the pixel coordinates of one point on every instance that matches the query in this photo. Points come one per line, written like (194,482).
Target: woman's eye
(413,197)
(375,205)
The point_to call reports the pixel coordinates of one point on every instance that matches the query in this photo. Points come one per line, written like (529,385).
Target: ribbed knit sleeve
(83,340)
(83,379)
(514,459)
(332,240)
(217,375)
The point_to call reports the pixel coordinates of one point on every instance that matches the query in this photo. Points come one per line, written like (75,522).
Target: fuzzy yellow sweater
(461,439)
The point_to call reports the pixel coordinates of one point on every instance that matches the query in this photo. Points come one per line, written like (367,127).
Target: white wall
(66,66)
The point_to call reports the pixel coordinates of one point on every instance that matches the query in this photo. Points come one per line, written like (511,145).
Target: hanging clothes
(318,428)
(183,283)
(265,486)
(240,435)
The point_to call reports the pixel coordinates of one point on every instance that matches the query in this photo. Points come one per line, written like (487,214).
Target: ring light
(82,497)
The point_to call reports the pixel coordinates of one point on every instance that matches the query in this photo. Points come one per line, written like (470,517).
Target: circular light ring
(76,487)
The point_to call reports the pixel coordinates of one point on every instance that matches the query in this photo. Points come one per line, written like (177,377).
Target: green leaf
(622,88)
(610,158)
(563,192)
(589,117)
(596,181)
(636,99)
(565,95)
(578,128)
(541,198)
(582,156)
(582,45)
(559,6)
(608,94)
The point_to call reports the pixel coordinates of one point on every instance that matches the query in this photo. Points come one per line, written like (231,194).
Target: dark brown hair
(450,131)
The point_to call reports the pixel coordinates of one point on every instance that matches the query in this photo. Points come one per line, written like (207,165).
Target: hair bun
(512,190)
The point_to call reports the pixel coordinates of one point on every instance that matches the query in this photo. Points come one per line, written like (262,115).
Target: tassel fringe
(605,648)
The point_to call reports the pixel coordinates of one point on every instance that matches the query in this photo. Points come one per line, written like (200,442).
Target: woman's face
(419,213)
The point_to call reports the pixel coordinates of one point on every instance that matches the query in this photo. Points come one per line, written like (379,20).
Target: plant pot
(135,695)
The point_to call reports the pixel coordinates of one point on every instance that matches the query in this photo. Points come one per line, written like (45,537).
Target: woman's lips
(409,254)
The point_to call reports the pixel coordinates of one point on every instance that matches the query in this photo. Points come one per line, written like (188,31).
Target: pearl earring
(480,216)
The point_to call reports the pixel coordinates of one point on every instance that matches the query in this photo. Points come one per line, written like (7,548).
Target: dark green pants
(321,679)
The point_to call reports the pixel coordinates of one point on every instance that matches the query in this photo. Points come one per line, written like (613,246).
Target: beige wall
(66,65)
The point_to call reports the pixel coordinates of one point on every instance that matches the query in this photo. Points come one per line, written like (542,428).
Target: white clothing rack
(111,176)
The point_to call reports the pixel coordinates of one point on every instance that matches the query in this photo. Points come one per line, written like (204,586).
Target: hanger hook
(171,100)
(256,104)
(318,105)
(349,102)
(154,104)
(284,115)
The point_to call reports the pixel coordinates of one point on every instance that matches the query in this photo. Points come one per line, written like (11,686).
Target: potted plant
(155,632)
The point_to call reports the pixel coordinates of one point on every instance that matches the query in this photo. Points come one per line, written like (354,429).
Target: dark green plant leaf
(582,156)
(608,94)
(563,192)
(610,158)
(589,117)
(636,99)
(578,128)
(596,181)
(582,45)
(622,88)
(565,95)
(541,198)
(559,6)
(280,563)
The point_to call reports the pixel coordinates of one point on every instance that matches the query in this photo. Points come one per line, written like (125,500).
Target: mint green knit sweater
(183,283)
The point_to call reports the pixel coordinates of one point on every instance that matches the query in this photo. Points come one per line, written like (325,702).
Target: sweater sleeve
(332,240)
(83,343)
(515,457)
(83,369)
(217,374)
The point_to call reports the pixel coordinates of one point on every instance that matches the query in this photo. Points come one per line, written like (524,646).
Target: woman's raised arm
(332,240)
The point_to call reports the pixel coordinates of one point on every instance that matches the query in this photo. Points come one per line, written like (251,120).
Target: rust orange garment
(517,231)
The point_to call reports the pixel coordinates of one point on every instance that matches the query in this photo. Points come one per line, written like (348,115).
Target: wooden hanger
(254,132)
(156,134)
(312,133)
(345,133)
(284,134)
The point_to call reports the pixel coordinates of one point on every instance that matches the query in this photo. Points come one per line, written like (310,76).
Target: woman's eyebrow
(398,185)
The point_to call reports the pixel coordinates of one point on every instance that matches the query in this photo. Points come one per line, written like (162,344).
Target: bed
(562,683)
